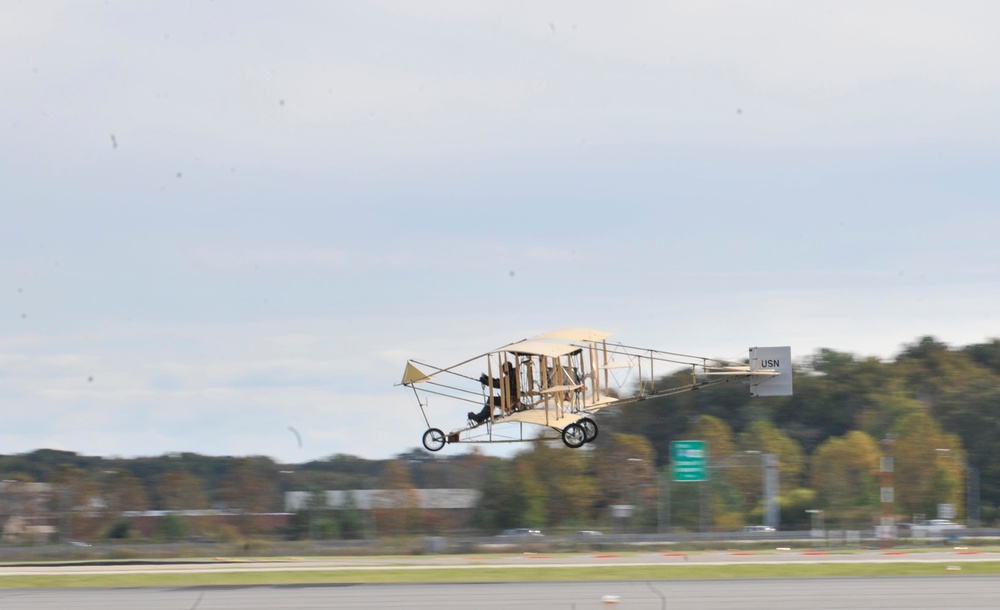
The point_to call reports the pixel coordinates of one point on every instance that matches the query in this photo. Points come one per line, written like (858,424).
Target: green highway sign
(689,460)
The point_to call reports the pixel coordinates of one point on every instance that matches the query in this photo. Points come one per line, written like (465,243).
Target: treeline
(935,409)
(89,494)
(190,481)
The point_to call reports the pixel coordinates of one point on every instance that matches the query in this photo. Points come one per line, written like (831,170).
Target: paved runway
(878,593)
(950,590)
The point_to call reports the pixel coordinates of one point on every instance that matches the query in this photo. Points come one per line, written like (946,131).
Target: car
(589,533)
(758,528)
(936,527)
(520,532)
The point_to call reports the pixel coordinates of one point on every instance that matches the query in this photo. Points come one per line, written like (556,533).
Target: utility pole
(887,527)
(972,491)
(771,513)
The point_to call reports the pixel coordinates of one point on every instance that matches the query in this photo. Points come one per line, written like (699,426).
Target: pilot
(508,374)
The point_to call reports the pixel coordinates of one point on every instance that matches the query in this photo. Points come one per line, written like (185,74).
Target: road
(877,593)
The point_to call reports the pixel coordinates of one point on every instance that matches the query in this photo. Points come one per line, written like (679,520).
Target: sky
(226,225)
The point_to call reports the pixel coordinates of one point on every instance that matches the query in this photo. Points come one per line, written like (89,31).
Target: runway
(949,588)
(877,593)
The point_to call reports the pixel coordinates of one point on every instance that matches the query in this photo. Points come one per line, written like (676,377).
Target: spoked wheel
(574,436)
(433,439)
(589,428)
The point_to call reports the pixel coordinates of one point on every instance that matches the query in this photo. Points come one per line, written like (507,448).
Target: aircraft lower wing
(538,417)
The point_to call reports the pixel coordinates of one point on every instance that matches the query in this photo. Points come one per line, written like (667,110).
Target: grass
(486,573)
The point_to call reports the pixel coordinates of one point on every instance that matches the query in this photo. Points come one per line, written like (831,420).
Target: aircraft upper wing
(577,334)
(531,347)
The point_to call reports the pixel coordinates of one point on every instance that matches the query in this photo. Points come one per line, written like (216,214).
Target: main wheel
(574,436)
(589,428)
(433,439)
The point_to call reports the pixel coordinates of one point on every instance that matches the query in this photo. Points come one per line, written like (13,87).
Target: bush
(121,530)
(225,533)
(171,527)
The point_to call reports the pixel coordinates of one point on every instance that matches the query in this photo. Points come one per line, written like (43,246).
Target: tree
(986,355)
(76,495)
(626,475)
(247,485)
(793,506)
(973,412)
(727,471)
(349,518)
(825,399)
(923,476)
(845,475)
(764,437)
(625,464)
(529,495)
(717,434)
(567,488)
(398,508)
(121,491)
(664,419)
(181,491)
(171,527)
(498,508)
(120,530)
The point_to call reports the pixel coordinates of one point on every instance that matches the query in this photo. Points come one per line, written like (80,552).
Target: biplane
(551,386)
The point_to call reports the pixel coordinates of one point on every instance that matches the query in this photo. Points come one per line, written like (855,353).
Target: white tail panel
(771,359)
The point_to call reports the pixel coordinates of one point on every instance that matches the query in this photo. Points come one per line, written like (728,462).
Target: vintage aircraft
(557,381)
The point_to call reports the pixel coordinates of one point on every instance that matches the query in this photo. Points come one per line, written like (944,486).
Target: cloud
(305,195)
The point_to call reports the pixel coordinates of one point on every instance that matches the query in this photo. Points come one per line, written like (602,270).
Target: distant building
(25,511)
(369,499)
(452,509)
(147,522)
(19,529)
(25,499)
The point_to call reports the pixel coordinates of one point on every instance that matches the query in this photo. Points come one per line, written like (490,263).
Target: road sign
(689,460)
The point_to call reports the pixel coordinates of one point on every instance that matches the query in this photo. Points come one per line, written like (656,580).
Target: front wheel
(433,439)
(573,436)
(589,428)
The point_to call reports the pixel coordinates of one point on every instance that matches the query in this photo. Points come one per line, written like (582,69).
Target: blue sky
(222,219)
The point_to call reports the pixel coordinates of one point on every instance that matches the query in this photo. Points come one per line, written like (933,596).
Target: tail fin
(777,363)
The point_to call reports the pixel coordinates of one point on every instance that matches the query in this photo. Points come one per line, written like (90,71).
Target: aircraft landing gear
(433,439)
(574,436)
(590,429)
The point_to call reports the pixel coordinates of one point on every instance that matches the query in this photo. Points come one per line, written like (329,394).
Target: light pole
(288,481)
(629,511)
(887,492)
(660,486)
(769,482)
(816,523)
(971,487)
(771,508)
